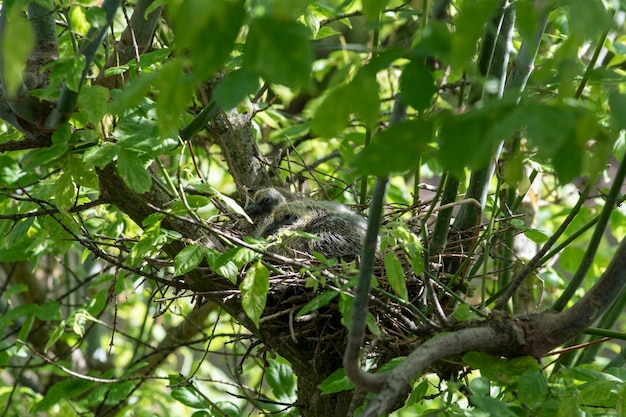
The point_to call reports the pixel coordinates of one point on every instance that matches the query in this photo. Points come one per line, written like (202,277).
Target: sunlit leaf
(318,301)
(281,379)
(532,387)
(188,258)
(94,102)
(133,171)
(65,192)
(17,42)
(395,275)
(336,382)
(372,8)
(254,288)
(190,396)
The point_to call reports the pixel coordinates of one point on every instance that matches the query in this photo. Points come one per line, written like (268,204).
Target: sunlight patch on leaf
(254,288)
(17,42)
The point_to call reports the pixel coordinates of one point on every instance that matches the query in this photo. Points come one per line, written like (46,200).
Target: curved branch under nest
(402,324)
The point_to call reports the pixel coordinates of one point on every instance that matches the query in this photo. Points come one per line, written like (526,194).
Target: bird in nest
(264,200)
(336,231)
(260,209)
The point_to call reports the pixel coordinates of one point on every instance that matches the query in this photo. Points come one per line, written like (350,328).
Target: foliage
(132,137)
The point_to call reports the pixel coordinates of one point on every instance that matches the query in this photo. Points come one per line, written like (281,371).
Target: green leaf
(66,389)
(395,275)
(119,391)
(364,90)
(17,42)
(417,85)
(567,162)
(503,371)
(176,92)
(15,313)
(26,327)
(235,87)
(463,313)
(536,236)
(532,387)
(599,393)
(70,68)
(318,301)
(336,382)
(19,232)
(418,393)
(617,103)
(549,127)
(281,380)
(190,396)
(78,319)
(470,22)
(223,264)
(570,407)
(100,156)
(50,310)
(152,239)
(254,288)
(372,8)
(463,142)
(395,149)
(188,258)
(65,192)
(96,17)
(133,171)
(414,249)
(334,112)
(82,175)
(93,101)
(208,30)
(134,92)
(270,41)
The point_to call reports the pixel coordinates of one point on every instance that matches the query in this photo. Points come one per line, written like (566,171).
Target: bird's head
(264,201)
(288,216)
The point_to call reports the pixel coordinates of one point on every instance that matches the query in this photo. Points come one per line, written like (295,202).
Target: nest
(396,325)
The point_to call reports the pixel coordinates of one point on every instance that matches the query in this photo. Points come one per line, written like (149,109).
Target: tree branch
(134,41)
(66,103)
(532,335)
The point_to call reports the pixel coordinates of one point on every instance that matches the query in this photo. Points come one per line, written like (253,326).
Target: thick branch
(134,41)
(532,335)
(235,136)
(555,329)
(397,380)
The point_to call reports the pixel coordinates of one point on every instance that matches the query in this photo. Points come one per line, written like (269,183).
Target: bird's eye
(266,200)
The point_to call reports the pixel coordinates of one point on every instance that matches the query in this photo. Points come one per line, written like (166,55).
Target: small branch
(598,233)
(363,380)
(200,121)
(536,260)
(27,143)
